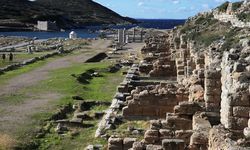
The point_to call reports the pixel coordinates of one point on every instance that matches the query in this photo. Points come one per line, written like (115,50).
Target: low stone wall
(153,102)
(233,19)
(120,143)
(33,60)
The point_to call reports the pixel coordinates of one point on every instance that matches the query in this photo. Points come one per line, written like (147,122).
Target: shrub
(244,17)
(223,7)
(236,5)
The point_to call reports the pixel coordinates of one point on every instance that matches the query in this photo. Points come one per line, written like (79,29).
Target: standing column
(134,35)
(124,35)
(141,35)
(120,36)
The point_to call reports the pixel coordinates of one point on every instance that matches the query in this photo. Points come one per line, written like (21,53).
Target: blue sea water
(88,31)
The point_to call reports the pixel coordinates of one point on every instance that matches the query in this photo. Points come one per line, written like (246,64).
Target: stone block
(133,104)
(184,135)
(199,138)
(179,62)
(212,74)
(138,146)
(246,132)
(187,108)
(177,123)
(210,83)
(215,91)
(128,143)
(155,124)
(180,72)
(167,101)
(154,147)
(201,123)
(213,107)
(249,123)
(241,111)
(115,144)
(127,112)
(173,144)
(217,83)
(144,102)
(163,111)
(199,66)
(128,98)
(238,100)
(149,111)
(200,61)
(138,110)
(239,123)
(166,134)
(238,67)
(151,136)
(180,67)
(212,98)
(121,89)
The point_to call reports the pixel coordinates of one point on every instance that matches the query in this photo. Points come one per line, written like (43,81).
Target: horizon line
(159,18)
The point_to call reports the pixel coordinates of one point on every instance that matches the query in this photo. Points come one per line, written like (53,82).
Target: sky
(160,9)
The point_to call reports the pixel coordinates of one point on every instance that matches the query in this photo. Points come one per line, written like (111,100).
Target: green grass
(8,75)
(223,7)
(85,137)
(14,98)
(236,5)
(61,81)
(99,88)
(19,57)
(122,130)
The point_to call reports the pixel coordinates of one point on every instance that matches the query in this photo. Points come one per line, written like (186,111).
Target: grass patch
(14,98)
(62,82)
(99,89)
(6,142)
(10,74)
(19,57)
(223,7)
(122,130)
(85,137)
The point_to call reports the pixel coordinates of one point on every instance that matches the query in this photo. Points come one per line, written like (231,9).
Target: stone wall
(212,93)
(219,138)
(153,101)
(33,60)
(235,90)
(115,143)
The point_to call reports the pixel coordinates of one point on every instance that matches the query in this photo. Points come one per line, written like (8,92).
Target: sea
(92,31)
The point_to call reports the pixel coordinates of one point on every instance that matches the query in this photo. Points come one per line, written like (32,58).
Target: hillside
(68,13)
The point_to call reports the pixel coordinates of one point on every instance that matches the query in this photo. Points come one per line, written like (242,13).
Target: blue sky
(160,9)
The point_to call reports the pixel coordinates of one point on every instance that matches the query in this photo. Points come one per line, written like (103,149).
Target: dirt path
(15,115)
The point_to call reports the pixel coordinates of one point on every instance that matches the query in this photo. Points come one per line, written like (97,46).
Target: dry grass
(6,142)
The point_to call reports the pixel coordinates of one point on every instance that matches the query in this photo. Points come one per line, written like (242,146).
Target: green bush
(231,39)
(244,17)
(236,5)
(223,7)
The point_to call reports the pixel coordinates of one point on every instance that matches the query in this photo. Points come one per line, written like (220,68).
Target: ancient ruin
(185,88)
(193,97)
